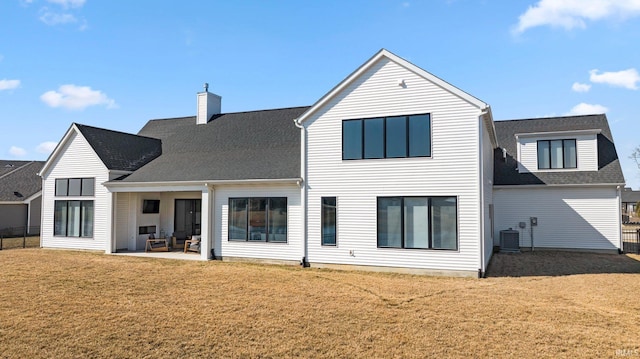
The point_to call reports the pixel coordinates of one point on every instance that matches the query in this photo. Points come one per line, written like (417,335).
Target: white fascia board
(11,202)
(530,186)
(32,197)
(400,61)
(190,185)
(487,116)
(558,133)
(58,149)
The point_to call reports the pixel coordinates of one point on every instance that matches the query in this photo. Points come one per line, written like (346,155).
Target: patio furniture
(192,245)
(178,239)
(156,244)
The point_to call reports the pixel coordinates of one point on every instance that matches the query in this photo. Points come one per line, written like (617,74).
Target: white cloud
(68,3)
(9,84)
(578,87)
(625,78)
(46,147)
(587,109)
(52,18)
(76,98)
(569,14)
(17,151)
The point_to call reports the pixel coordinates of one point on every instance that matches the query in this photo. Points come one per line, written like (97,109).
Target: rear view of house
(393,169)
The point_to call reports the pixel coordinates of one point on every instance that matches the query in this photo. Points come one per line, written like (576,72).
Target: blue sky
(117,64)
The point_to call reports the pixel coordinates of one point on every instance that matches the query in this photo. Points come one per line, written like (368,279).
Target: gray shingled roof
(233,146)
(119,150)
(21,177)
(505,172)
(628,195)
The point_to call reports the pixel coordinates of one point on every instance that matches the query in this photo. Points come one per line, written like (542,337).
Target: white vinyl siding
(77,160)
(291,250)
(582,218)
(586,151)
(451,171)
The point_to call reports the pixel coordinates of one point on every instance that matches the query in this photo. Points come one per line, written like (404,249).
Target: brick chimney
(209,104)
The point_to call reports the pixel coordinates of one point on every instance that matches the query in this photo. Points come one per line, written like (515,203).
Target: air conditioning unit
(509,241)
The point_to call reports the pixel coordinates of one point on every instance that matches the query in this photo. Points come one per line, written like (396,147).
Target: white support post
(206,226)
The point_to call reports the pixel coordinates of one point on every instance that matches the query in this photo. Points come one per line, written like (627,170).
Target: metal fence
(19,237)
(631,241)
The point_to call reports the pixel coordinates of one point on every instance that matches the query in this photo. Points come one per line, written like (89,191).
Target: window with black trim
(417,222)
(258,219)
(68,187)
(73,218)
(328,219)
(556,154)
(387,137)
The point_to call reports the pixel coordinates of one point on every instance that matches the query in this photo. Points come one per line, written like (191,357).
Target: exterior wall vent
(509,241)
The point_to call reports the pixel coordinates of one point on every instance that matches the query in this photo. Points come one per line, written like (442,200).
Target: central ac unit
(509,241)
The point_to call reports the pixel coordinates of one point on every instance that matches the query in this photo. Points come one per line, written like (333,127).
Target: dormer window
(557,154)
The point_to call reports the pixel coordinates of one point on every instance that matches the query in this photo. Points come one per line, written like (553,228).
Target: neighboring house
(393,169)
(630,199)
(20,196)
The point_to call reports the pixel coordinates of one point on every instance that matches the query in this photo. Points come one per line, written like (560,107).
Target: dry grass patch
(66,304)
(20,242)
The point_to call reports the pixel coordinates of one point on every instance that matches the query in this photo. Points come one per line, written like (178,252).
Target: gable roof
(383,53)
(19,178)
(505,171)
(234,146)
(119,150)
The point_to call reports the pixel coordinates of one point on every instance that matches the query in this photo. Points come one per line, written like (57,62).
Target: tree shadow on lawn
(559,263)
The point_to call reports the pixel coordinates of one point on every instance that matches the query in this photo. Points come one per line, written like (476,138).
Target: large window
(418,222)
(67,187)
(387,137)
(554,154)
(73,219)
(258,219)
(328,221)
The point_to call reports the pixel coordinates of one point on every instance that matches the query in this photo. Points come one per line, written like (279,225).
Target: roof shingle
(119,150)
(22,179)
(233,146)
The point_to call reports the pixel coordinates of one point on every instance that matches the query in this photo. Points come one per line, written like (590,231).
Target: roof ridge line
(115,131)
(18,168)
(229,113)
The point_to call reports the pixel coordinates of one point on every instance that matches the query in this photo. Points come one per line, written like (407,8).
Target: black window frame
(267,220)
(430,223)
(334,218)
(62,187)
(81,228)
(548,145)
(385,139)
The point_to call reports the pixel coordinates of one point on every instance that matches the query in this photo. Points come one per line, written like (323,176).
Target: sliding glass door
(188,216)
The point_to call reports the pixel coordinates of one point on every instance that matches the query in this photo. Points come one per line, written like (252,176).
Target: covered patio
(171,213)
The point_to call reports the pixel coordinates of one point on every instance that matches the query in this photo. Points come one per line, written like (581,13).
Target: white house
(393,169)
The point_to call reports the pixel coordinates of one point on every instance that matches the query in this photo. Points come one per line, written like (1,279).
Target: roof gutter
(115,185)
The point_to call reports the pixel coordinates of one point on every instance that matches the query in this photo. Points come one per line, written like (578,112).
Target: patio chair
(192,245)
(156,244)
